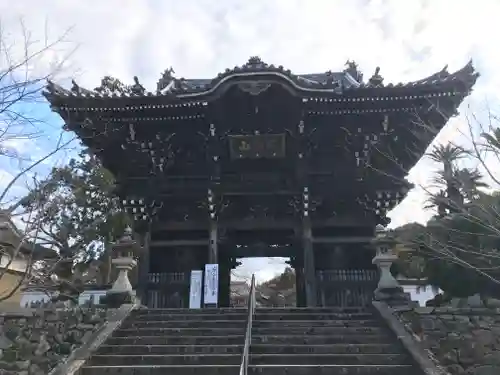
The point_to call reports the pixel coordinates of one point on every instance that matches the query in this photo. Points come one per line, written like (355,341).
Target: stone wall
(463,340)
(34,341)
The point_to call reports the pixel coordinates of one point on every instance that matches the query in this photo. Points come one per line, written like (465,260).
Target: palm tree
(439,200)
(448,155)
(469,181)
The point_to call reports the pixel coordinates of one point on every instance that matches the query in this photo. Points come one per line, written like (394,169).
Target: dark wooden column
(297,264)
(213,245)
(306,230)
(214,170)
(307,245)
(143,266)
(226,265)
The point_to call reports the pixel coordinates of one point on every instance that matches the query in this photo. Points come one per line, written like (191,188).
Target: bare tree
(26,64)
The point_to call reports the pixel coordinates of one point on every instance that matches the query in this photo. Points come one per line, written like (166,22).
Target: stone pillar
(125,251)
(388,288)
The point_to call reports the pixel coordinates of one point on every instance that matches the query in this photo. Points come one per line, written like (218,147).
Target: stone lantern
(388,287)
(125,251)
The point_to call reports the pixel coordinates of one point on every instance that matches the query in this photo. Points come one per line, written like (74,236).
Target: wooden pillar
(213,253)
(309,266)
(213,248)
(224,282)
(214,172)
(143,269)
(298,266)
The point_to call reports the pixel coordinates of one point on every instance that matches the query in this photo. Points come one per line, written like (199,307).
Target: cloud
(407,39)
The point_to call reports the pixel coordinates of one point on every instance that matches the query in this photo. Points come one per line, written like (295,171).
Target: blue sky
(408,39)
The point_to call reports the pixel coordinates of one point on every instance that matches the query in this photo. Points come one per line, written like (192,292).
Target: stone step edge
(250,366)
(331,308)
(253,345)
(145,356)
(257,321)
(258,312)
(384,336)
(237,328)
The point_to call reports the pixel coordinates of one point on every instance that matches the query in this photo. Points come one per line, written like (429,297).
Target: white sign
(211,284)
(195,289)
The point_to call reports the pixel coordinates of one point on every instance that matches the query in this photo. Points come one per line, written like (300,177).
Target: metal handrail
(248,334)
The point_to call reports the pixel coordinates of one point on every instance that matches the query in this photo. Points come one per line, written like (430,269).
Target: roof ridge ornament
(353,71)
(255,62)
(137,88)
(165,80)
(376,80)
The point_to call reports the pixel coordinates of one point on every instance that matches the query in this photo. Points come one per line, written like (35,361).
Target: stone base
(394,297)
(115,299)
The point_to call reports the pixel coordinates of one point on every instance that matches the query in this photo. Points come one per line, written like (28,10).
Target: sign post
(195,289)
(211,294)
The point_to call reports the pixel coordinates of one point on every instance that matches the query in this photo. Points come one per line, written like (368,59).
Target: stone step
(316,323)
(255,349)
(223,331)
(321,339)
(262,315)
(178,340)
(253,370)
(165,359)
(256,340)
(329,359)
(183,311)
(170,349)
(189,317)
(215,324)
(268,310)
(315,330)
(151,331)
(314,310)
(242,323)
(377,348)
(255,359)
(258,316)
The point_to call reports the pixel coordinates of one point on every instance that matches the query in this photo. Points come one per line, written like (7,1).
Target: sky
(408,39)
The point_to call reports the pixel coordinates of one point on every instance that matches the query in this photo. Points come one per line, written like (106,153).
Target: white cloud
(199,38)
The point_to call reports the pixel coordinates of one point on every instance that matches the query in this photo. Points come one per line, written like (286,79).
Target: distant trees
(458,249)
(77,211)
(279,291)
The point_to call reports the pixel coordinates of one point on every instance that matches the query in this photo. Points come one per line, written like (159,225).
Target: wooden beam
(342,240)
(174,243)
(259,224)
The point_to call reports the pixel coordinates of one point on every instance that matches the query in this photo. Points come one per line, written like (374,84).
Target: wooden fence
(168,290)
(346,288)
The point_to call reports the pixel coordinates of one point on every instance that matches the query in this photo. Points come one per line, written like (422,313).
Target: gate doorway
(276,282)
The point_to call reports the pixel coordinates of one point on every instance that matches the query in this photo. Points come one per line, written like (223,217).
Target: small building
(16,262)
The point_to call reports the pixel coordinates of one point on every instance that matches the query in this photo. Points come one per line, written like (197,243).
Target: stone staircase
(284,341)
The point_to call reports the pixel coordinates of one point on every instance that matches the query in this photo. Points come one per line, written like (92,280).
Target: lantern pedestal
(388,288)
(122,292)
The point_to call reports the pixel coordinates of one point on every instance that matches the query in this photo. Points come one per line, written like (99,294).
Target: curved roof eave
(321,83)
